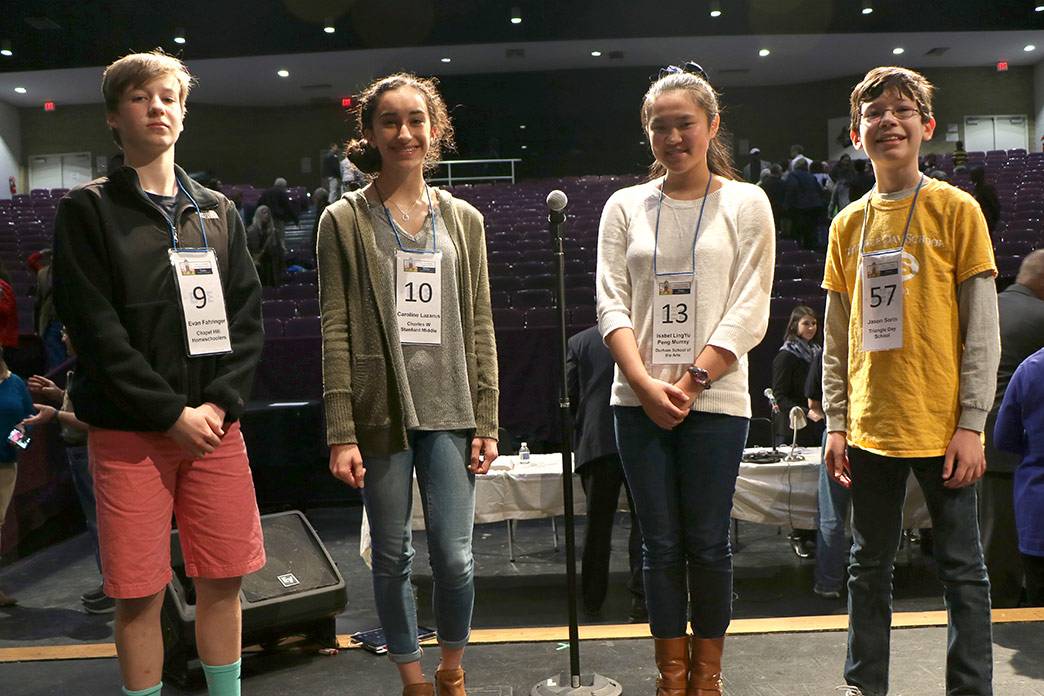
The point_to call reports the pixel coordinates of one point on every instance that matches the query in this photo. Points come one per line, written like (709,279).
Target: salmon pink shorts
(141,478)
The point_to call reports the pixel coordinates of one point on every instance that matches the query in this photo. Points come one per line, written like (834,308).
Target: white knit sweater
(735,256)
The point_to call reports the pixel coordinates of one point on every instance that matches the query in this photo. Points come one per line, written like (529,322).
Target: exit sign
(1002,66)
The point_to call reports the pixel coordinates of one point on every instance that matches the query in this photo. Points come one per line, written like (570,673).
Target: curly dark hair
(365,155)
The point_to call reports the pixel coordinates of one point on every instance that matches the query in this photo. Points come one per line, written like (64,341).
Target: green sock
(151,691)
(222,680)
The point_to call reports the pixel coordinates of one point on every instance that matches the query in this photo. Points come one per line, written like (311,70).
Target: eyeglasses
(903,113)
(690,67)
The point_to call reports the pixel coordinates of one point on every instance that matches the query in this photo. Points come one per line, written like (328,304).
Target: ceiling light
(328,26)
(898,51)
(5,48)
(1039,8)
(1029,47)
(524,147)
(715,8)
(447,60)
(283,73)
(522,127)
(179,35)
(516,15)
(21,90)
(764,52)
(596,54)
(868,7)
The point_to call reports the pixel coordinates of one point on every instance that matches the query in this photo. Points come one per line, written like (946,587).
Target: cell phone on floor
(375,642)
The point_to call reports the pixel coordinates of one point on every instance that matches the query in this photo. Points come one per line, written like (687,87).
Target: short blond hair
(908,83)
(137,69)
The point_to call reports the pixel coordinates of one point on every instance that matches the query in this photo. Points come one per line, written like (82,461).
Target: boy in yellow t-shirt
(909,372)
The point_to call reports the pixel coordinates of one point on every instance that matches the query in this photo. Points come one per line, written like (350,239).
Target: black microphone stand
(574,683)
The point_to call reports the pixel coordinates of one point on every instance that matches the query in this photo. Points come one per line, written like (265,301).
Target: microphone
(772,400)
(556,205)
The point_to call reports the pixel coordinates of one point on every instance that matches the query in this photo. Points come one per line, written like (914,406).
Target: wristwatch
(700,376)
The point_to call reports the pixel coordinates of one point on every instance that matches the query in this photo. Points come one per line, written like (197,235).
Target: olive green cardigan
(362,375)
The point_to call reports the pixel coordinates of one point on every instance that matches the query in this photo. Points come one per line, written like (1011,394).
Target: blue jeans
(447,491)
(84,485)
(832,545)
(682,482)
(878,492)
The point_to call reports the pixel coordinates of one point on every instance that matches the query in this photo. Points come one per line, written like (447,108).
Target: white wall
(10,147)
(1038,107)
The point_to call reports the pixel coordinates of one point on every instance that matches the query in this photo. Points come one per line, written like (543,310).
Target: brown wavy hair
(365,155)
(719,157)
(908,83)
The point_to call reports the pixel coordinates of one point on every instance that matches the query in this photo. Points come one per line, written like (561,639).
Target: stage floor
(768,658)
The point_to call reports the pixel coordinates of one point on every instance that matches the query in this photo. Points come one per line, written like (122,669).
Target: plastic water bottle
(523,454)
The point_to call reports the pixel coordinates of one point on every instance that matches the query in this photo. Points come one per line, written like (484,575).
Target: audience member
(589,382)
(797,155)
(752,169)
(772,183)
(331,172)
(15,406)
(960,157)
(45,394)
(1020,429)
(46,320)
(277,199)
(319,202)
(803,204)
(986,195)
(266,251)
(8,311)
(843,174)
(1021,309)
(862,179)
(352,177)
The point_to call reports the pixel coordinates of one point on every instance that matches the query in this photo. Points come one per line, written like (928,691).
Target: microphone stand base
(591,684)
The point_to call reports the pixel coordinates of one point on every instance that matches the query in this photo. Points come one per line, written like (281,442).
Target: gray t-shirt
(437,391)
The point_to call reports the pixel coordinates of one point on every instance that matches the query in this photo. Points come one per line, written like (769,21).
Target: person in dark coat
(986,195)
(804,204)
(589,379)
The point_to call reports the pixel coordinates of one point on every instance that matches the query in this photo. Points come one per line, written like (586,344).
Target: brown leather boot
(705,663)
(450,682)
(672,659)
(421,689)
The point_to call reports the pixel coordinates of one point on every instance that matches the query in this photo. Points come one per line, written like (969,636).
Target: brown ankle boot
(421,689)
(705,666)
(672,659)
(450,682)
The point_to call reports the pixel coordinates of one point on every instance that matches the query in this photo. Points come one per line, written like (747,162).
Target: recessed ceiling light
(898,50)
(447,60)
(764,52)
(179,35)
(516,15)
(522,127)
(328,26)
(5,48)
(868,7)
(283,73)
(525,147)
(1029,47)
(596,54)
(715,8)
(21,90)
(1039,8)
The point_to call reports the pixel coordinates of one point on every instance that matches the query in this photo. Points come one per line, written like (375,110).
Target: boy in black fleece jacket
(157,290)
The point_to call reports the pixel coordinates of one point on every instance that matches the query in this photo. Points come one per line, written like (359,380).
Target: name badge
(202,301)
(882,301)
(418,297)
(674,322)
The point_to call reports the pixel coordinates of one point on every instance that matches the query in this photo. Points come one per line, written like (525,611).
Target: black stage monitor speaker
(300,591)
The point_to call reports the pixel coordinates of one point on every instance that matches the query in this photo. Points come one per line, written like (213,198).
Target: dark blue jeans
(682,482)
(878,491)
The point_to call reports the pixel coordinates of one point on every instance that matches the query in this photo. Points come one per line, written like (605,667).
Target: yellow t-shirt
(906,402)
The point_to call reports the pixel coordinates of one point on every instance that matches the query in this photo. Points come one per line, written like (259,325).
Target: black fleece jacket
(115,292)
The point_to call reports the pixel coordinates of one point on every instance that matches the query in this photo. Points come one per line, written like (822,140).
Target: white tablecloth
(783,494)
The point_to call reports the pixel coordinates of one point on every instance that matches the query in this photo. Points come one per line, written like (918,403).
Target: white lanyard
(418,286)
(674,306)
(882,287)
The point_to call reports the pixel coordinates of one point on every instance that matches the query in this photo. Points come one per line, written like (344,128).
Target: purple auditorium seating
(303,291)
(304,277)
(579,296)
(277,309)
(1008,266)
(269,293)
(782,306)
(273,327)
(539,317)
(1019,248)
(582,315)
(787,271)
(500,298)
(506,282)
(540,280)
(308,308)
(528,268)
(797,287)
(507,318)
(302,326)
(527,299)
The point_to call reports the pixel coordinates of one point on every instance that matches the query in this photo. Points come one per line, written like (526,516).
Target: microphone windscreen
(557,201)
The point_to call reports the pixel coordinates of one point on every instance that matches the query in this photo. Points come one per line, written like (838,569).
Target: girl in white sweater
(684,274)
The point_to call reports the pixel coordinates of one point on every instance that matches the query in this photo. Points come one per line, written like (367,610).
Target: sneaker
(104,605)
(827,594)
(93,595)
(848,690)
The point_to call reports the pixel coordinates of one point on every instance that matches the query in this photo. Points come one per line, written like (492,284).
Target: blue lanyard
(906,229)
(695,236)
(398,240)
(170,223)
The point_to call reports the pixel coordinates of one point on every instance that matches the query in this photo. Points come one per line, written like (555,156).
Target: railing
(449,179)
